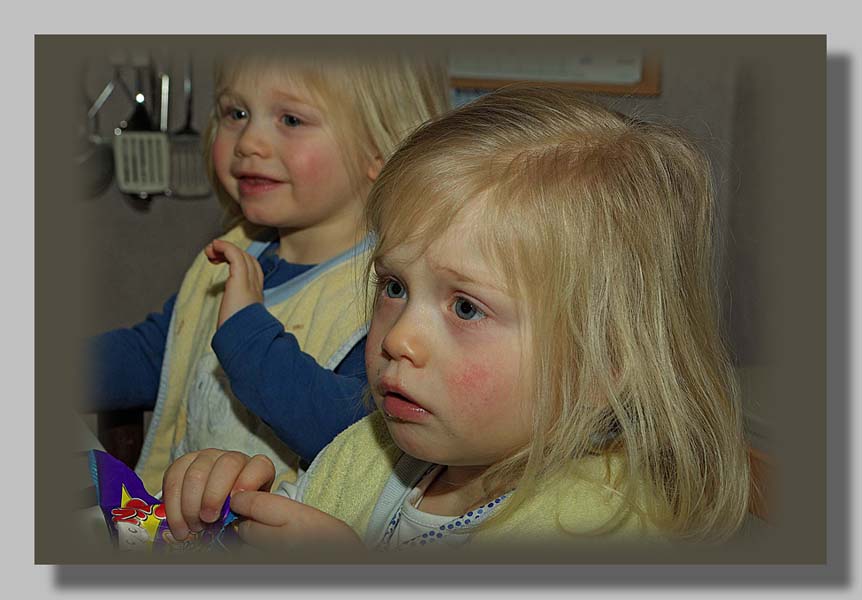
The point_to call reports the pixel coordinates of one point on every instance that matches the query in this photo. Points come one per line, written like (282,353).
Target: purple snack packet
(136,520)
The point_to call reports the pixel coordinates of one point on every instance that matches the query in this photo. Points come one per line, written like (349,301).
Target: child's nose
(252,142)
(406,340)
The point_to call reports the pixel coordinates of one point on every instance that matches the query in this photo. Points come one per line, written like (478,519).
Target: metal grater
(142,160)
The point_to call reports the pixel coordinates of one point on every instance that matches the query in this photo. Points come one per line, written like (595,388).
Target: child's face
(276,154)
(443,354)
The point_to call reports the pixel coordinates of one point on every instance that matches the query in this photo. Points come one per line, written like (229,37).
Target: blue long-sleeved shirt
(305,404)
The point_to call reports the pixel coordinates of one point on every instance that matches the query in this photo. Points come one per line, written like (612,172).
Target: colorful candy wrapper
(136,520)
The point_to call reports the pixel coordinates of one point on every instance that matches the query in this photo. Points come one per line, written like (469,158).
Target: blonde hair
(604,228)
(375,101)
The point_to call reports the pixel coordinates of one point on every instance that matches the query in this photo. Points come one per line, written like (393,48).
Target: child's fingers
(222,476)
(195,482)
(230,252)
(269,524)
(247,268)
(172,484)
(265,508)
(275,521)
(258,474)
(244,285)
(196,485)
(264,537)
(255,271)
(213,256)
(243,266)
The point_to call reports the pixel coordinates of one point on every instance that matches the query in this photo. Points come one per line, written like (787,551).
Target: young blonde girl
(544,352)
(293,145)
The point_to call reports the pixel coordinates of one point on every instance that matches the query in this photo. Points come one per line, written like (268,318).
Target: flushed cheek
(485,402)
(314,168)
(477,386)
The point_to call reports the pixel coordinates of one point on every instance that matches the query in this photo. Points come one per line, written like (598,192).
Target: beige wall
(138,250)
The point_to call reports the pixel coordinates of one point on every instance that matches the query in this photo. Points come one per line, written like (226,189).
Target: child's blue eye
(466,310)
(291,121)
(394,289)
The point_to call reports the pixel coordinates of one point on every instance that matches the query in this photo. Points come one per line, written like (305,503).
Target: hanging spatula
(188,171)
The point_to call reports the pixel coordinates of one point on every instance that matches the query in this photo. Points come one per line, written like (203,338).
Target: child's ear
(374,168)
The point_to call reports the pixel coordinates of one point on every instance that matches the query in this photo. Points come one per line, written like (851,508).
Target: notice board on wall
(625,73)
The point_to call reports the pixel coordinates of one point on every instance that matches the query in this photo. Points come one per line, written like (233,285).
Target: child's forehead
(281,79)
(449,260)
(458,247)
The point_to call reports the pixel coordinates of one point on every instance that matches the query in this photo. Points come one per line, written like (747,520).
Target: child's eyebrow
(290,96)
(384,264)
(462,277)
(225,94)
(302,102)
(231,95)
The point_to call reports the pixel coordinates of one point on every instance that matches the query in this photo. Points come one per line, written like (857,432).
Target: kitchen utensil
(164,101)
(188,171)
(95,157)
(141,152)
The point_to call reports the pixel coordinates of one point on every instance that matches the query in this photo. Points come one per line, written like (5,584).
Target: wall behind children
(139,248)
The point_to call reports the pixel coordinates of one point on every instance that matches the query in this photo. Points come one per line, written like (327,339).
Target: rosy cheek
(316,168)
(474,386)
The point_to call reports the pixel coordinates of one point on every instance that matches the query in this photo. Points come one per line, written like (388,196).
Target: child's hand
(196,485)
(276,523)
(244,286)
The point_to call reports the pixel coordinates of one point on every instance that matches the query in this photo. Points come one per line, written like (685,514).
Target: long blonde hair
(375,100)
(604,228)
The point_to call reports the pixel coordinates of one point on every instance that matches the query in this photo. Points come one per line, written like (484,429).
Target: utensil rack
(143,149)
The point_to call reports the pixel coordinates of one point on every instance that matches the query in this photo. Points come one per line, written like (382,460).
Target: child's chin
(404,436)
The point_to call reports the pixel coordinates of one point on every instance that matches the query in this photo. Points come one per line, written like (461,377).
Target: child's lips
(398,405)
(252,184)
(400,408)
